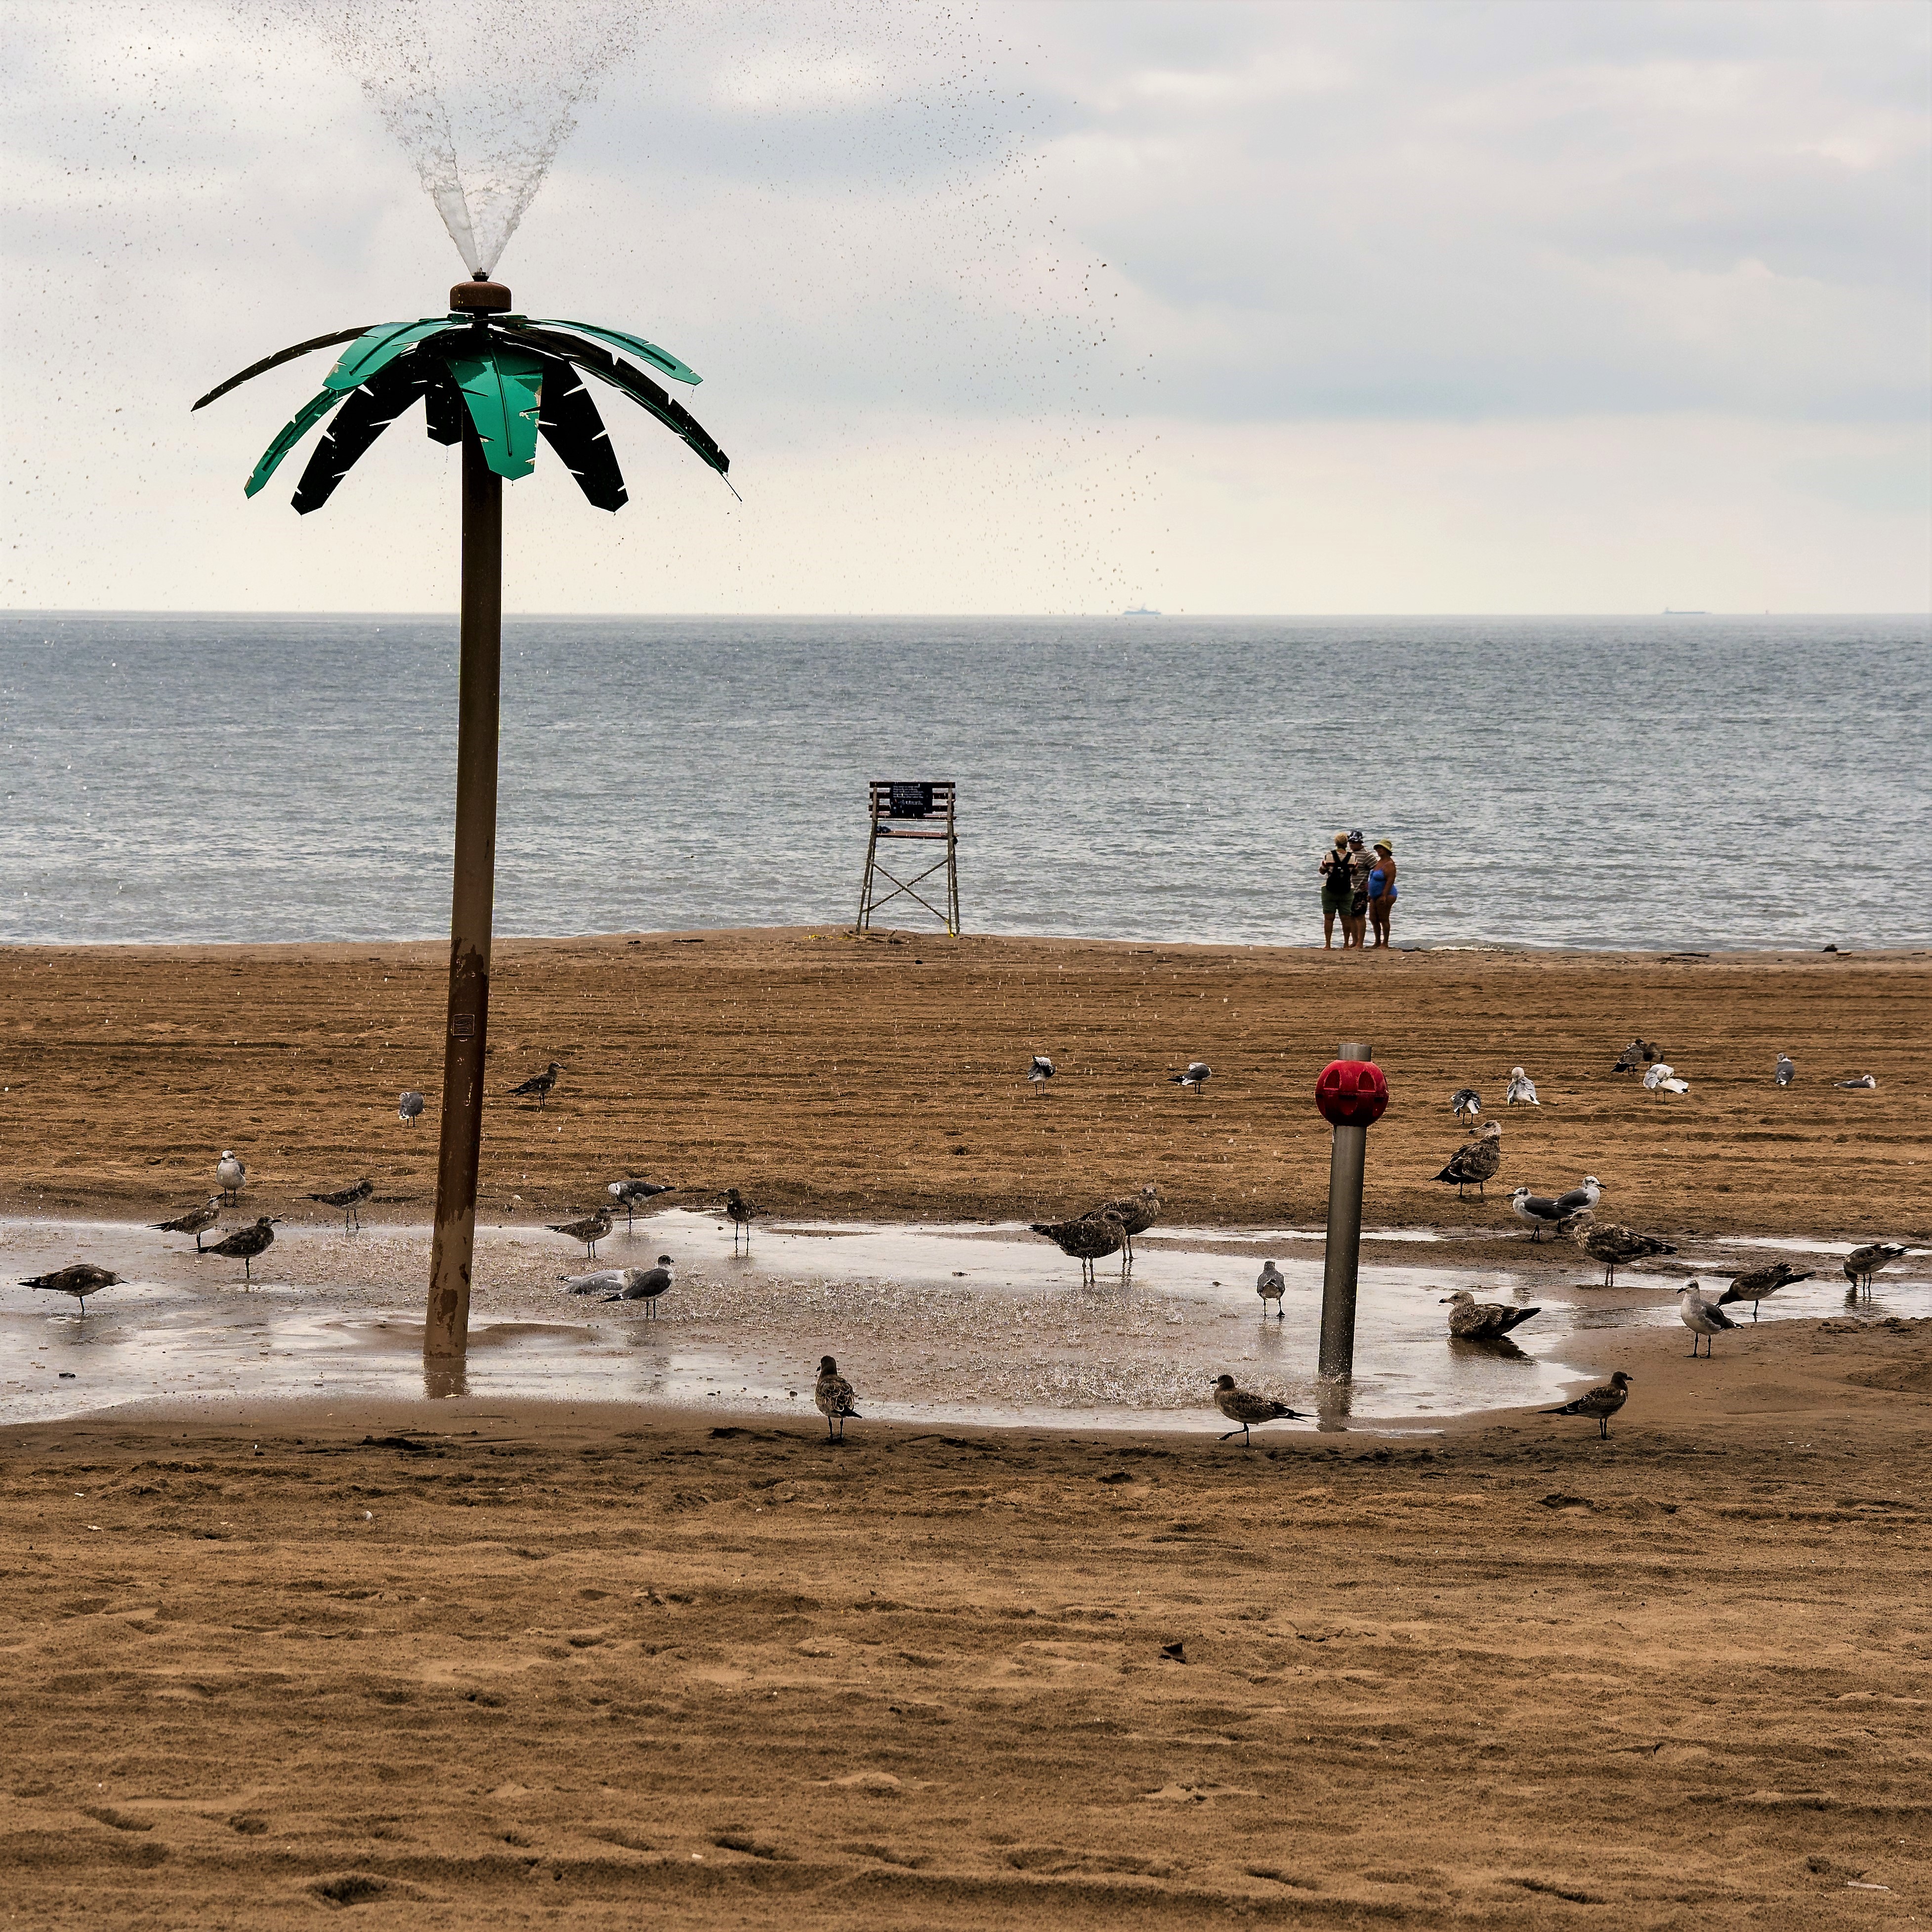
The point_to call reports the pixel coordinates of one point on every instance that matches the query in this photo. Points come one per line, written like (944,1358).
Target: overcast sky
(1221,307)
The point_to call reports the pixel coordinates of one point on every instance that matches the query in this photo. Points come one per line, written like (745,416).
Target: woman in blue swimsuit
(1382,891)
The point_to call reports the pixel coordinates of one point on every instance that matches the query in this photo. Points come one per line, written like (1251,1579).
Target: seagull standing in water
(1465,1104)
(1475,1162)
(232,1174)
(1700,1317)
(1087,1239)
(1613,1244)
(1472,1320)
(1787,1070)
(1247,1410)
(1040,1073)
(349,1200)
(80,1281)
(1521,1091)
(1862,1263)
(197,1221)
(542,1085)
(634,1195)
(1756,1283)
(1195,1076)
(590,1230)
(1136,1213)
(832,1396)
(1601,1403)
(644,1285)
(1662,1078)
(742,1213)
(409,1106)
(243,1245)
(1269,1285)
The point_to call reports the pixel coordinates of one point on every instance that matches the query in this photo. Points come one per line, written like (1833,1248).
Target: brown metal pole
(1342,1251)
(446,1329)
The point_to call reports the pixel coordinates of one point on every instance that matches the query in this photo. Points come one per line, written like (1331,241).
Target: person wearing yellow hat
(1381,891)
(1338,891)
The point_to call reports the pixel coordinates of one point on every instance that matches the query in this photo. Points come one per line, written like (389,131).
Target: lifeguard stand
(920,809)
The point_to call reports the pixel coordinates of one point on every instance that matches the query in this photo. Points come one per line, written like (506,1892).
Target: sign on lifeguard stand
(911,810)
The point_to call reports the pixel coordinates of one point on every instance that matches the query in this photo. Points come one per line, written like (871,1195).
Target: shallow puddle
(954,1322)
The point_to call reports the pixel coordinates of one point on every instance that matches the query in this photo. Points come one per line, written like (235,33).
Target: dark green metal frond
(442,404)
(292,431)
(572,427)
(503,388)
(658,358)
(378,347)
(275,361)
(365,413)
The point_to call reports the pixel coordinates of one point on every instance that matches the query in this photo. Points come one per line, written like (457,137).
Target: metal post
(1342,1253)
(446,1329)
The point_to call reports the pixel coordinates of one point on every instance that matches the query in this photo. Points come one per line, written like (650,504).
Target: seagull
(409,1106)
(1195,1076)
(1700,1317)
(1040,1072)
(1136,1213)
(80,1281)
(1086,1239)
(1636,1054)
(1472,1320)
(1662,1078)
(541,1084)
(1579,1199)
(645,1285)
(832,1397)
(1269,1284)
(634,1195)
(1539,1210)
(231,1173)
(1754,1285)
(590,1229)
(243,1245)
(1862,1263)
(1465,1104)
(349,1200)
(1867,1082)
(1248,1410)
(1614,1245)
(1475,1160)
(195,1222)
(1787,1070)
(743,1212)
(1602,1402)
(1521,1090)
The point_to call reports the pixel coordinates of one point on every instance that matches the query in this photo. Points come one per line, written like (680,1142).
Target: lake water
(1681,782)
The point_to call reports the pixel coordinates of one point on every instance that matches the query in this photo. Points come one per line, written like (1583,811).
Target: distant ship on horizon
(1140,611)
(1670,613)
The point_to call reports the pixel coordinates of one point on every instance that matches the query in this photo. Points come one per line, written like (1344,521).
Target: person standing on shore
(1338,891)
(1361,862)
(1381,891)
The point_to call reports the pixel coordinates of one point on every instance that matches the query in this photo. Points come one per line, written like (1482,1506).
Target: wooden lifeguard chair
(920,809)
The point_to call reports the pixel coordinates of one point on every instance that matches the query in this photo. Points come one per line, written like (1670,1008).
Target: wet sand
(884,1078)
(477,1663)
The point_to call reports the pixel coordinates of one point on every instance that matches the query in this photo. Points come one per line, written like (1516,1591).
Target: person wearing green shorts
(1338,891)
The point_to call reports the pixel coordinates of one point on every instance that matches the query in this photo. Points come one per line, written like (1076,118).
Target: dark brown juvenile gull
(1249,1411)
(1601,1402)
(81,1280)
(1638,1052)
(1475,1162)
(349,1200)
(832,1396)
(1136,1213)
(1086,1240)
(1614,1245)
(646,1284)
(1700,1317)
(1269,1285)
(409,1106)
(1756,1283)
(634,1195)
(243,1245)
(1472,1320)
(1862,1263)
(541,1084)
(590,1229)
(1195,1076)
(742,1213)
(197,1221)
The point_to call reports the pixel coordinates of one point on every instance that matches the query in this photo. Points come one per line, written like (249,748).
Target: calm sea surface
(1679,782)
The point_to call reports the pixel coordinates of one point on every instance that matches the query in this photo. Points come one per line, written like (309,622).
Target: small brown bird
(197,1221)
(541,1084)
(590,1230)
(832,1396)
(1862,1263)
(243,1245)
(349,1199)
(1136,1213)
(1269,1285)
(1601,1402)
(1756,1283)
(1249,1410)
(742,1213)
(1087,1239)
(1472,1320)
(79,1281)
(1475,1162)
(1613,1244)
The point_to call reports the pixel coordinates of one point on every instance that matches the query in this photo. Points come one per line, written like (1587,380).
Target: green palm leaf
(504,390)
(297,426)
(381,345)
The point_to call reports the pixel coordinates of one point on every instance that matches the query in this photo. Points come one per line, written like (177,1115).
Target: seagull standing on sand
(1136,1213)
(1465,1104)
(1601,1402)
(1269,1285)
(644,1285)
(1756,1283)
(1040,1073)
(1248,1410)
(742,1213)
(1862,1263)
(349,1200)
(832,1397)
(1472,1320)
(634,1195)
(80,1281)
(1614,1245)
(196,1221)
(1662,1078)
(541,1085)
(231,1173)
(1787,1070)
(1475,1162)
(1868,1082)
(1086,1240)
(409,1106)
(243,1245)
(1539,1210)
(1195,1076)
(1579,1200)
(590,1229)
(1700,1317)
(1521,1091)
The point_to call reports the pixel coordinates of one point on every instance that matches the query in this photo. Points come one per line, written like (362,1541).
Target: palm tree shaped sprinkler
(494,381)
